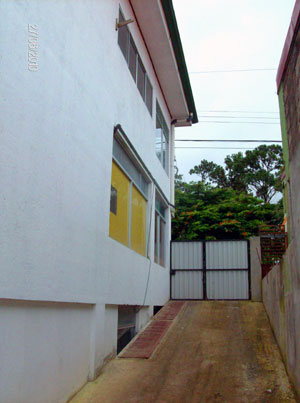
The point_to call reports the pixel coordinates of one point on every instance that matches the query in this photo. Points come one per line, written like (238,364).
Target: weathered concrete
(214,352)
(256,280)
(281,287)
(281,297)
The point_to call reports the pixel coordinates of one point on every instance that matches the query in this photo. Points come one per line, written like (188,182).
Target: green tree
(209,172)
(206,212)
(236,172)
(264,169)
(257,172)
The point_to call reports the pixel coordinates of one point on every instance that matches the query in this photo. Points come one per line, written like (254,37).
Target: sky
(231,35)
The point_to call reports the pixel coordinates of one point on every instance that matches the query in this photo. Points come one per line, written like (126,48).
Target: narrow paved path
(213,352)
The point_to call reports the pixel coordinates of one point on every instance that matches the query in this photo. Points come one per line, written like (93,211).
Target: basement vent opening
(126,325)
(156,309)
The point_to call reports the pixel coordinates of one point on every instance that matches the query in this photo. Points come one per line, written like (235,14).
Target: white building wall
(55,156)
(44,351)
(56,150)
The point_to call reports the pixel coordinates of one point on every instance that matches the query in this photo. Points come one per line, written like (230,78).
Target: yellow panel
(138,222)
(118,223)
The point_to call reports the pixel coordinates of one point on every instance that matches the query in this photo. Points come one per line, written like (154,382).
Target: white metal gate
(210,270)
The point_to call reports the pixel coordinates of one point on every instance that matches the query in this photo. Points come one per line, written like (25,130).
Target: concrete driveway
(213,352)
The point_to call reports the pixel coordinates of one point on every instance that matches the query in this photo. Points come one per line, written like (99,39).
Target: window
(149,95)
(118,225)
(123,37)
(160,232)
(162,139)
(141,75)
(135,64)
(132,59)
(113,200)
(128,202)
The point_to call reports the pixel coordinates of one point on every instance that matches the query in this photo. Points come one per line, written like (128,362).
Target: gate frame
(204,270)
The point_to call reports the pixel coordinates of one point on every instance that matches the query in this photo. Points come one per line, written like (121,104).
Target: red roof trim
(288,44)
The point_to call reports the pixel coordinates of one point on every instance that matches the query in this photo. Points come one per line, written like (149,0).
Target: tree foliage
(257,172)
(231,202)
(204,212)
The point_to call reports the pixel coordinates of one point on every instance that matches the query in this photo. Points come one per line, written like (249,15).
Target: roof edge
(293,28)
(169,12)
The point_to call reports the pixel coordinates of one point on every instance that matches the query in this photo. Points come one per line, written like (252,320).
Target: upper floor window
(128,201)
(162,139)
(135,64)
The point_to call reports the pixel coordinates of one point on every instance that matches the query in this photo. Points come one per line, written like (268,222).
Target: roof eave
(180,59)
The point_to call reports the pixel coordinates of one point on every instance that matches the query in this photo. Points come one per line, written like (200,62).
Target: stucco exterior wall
(56,157)
(44,350)
(291,102)
(281,286)
(56,153)
(291,97)
(281,298)
(255,267)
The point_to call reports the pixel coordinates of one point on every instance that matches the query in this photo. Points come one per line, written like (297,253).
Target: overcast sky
(230,35)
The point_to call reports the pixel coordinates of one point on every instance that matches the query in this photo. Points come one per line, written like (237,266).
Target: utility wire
(219,148)
(231,111)
(251,123)
(237,117)
(232,141)
(229,71)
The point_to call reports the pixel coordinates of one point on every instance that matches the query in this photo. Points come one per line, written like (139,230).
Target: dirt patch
(214,352)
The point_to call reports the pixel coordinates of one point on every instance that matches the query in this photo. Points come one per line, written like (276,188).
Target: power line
(231,111)
(229,71)
(232,141)
(218,148)
(237,117)
(251,123)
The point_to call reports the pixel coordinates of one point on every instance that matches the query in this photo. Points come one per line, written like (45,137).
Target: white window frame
(138,60)
(160,217)
(126,149)
(164,138)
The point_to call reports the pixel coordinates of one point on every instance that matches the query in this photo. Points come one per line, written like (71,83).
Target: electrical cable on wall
(148,244)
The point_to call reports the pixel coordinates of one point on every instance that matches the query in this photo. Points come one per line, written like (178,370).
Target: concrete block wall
(281,298)
(291,96)
(281,286)
(255,265)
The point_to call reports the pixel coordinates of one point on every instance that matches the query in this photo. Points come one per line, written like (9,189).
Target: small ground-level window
(126,325)
(160,232)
